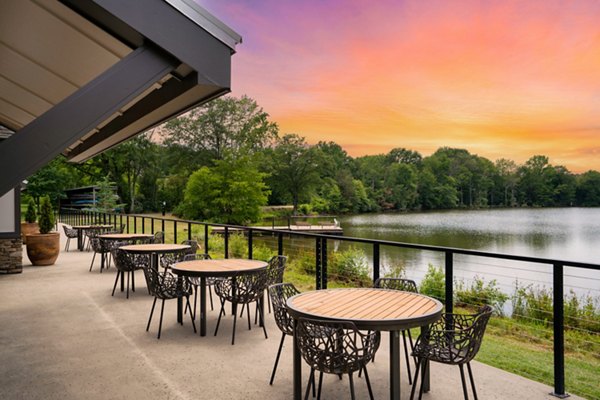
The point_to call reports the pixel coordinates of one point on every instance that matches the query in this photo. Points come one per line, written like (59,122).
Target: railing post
(324,263)
(143,224)
(318,263)
(559,332)
(375,262)
(120,221)
(189,231)
(162,225)
(134,224)
(205,238)
(152,225)
(449,282)
(174,232)
(250,244)
(280,244)
(226,251)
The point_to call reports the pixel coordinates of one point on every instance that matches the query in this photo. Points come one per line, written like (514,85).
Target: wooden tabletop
(368,308)
(155,248)
(125,236)
(216,268)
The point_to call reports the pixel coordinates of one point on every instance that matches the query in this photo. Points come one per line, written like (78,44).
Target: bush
(535,303)
(434,283)
(479,294)
(31,215)
(46,220)
(349,266)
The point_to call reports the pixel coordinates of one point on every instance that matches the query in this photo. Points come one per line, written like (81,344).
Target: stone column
(11,256)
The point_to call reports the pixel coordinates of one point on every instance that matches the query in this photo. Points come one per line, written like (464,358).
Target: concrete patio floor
(63,336)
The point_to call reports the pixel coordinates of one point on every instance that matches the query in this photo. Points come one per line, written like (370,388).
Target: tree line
(224,160)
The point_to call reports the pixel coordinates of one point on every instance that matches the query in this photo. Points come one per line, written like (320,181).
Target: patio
(65,337)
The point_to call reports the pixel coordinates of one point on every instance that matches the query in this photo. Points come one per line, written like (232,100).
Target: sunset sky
(503,79)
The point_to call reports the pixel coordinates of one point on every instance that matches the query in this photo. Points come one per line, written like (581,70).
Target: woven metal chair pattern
(454,339)
(125,263)
(90,234)
(243,289)
(71,234)
(99,247)
(406,285)
(167,260)
(166,286)
(335,347)
(159,237)
(275,271)
(195,282)
(279,293)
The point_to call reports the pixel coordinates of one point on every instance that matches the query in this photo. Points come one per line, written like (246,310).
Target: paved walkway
(63,336)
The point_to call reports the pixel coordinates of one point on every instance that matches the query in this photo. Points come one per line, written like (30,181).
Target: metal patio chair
(279,293)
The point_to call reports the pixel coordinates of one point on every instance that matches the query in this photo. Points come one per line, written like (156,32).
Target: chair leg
(368,382)
(116,281)
(320,385)
(128,273)
(151,312)
(311,382)
(191,314)
(195,298)
(210,296)
(133,280)
(462,379)
(162,310)
(262,318)
(424,366)
(219,320)
(249,325)
(407,357)
(351,379)
(92,264)
(277,358)
(472,381)
(417,368)
(234,312)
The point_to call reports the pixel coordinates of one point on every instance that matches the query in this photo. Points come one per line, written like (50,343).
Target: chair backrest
(335,347)
(456,338)
(124,261)
(159,237)
(275,269)
(279,294)
(164,285)
(70,232)
(248,287)
(406,285)
(98,245)
(194,246)
(195,256)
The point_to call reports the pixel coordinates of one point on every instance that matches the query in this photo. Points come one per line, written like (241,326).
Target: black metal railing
(77,217)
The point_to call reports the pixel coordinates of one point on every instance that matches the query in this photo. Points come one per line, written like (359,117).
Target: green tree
(107,200)
(534,187)
(294,169)
(588,189)
(52,180)
(226,125)
(46,220)
(232,191)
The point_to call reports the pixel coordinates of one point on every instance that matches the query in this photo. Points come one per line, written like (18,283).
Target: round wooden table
(122,236)
(81,228)
(230,267)
(154,250)
(369,309)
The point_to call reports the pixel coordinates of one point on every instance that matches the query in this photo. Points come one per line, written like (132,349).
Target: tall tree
(228,124)
(294,169)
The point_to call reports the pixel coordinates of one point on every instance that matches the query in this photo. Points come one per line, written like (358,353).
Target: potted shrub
(29,226)
(43,247)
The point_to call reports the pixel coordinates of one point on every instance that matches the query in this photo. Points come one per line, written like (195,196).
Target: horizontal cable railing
(320,247)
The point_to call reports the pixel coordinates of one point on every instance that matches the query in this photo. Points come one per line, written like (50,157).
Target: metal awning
(80,76)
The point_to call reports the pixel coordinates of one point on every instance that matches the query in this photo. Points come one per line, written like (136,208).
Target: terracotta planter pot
(43,249)
(28,228)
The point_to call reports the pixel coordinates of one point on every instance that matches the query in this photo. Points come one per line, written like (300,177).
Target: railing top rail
(442,249)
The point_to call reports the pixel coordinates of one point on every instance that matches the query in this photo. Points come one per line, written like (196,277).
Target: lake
(558,233)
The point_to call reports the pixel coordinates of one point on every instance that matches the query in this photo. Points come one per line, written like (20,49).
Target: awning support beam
(47,136)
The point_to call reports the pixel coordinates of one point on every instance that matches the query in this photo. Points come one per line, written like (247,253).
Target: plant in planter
(43,247)
(29,226)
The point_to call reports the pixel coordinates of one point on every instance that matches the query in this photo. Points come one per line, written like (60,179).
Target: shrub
(434,283)
(349,266)
(31,215)
(479,294)
(46,220)
(395,271)
(535,303)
